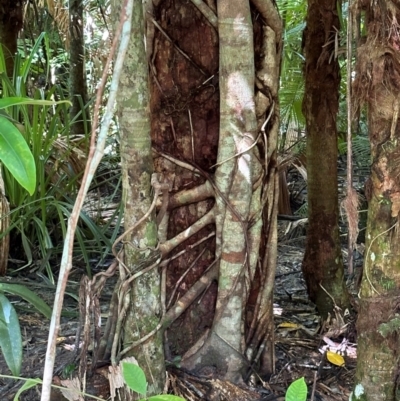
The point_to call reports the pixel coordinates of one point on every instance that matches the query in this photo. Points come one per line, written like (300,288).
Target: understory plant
(133,375)
(135,379)
(10,333)
(38,215)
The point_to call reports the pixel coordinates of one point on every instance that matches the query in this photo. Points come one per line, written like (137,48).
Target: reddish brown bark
(322,265)
(377,86)
(183,135)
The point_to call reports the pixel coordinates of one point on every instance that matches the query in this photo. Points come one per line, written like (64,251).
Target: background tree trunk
(11,21)
(77,72)
(322,264)
(377,85)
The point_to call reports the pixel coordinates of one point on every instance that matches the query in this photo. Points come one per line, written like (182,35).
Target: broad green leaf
(134,377)
(27,385)
(165,397)
(297,391)
(14,101)
(10,336)
(16,155)
(29,296)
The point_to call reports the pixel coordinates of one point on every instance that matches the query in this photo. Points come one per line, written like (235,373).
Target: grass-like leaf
(29,296)
(38,218)
(26,386)
(14,101)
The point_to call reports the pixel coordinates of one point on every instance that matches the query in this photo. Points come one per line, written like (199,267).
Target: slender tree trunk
(378,86)
(77,73)
(322,265)
(11,21)
(144,310)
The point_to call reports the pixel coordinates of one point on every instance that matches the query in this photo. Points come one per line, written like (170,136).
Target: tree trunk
(377,85)
(77,73)
(234,178)
(234,318)
(322,265)
(142,298)
(11,21)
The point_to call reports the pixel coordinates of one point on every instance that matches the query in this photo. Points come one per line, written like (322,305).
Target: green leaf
(27,385)
(10,336)
(165,397)
(134,377)
(14,101)
(27,247)
(16,155)
(26,66)
(297,391)
(29,296)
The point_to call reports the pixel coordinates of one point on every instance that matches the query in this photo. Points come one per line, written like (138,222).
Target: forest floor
(300,342)
(303,346)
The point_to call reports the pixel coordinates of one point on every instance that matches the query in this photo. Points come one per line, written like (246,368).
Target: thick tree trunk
(11,20)
(185,122)
(322,265)
(378,86)
(235,318)
(142,298)
(77,73)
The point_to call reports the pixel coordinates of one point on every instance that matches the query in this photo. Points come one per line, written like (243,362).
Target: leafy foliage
(26,386)
(361,152)
(134,377)
(29,296)
(38,219)
(297,391)
(390,327)
(10,336)
(136,380)
(16,156)
(292,82)
(10,333)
